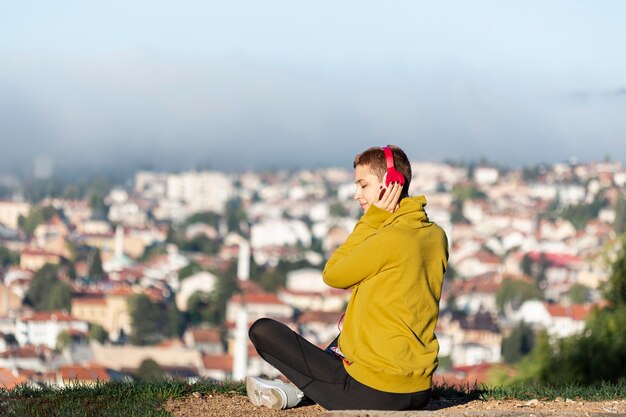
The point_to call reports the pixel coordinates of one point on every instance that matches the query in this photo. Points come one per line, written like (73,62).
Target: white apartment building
(200,191)
(44,328)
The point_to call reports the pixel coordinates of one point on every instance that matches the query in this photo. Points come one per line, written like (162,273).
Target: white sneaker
(276,394)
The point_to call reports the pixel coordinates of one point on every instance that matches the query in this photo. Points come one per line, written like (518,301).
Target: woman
(394,262)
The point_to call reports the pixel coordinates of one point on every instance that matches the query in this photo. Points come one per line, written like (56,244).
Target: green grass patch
(110,399)
(139,399)
(603,391)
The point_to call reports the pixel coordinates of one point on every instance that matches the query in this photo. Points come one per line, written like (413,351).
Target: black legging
(320,375)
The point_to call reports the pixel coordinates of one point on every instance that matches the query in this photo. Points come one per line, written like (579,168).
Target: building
(43,328)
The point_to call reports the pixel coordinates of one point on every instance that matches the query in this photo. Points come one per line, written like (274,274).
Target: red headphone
(392,175)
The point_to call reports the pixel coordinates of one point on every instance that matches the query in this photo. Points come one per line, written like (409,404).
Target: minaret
(119,242)
(240,360)
(243,262)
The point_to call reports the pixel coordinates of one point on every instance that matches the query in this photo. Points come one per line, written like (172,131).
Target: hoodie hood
(410,214)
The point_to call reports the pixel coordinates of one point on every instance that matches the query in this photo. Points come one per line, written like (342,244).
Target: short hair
(375,159)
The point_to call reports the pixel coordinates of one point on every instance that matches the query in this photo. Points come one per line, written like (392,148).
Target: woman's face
(368,186)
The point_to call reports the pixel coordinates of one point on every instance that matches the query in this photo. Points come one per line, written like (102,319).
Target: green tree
(236,216)
(464,192)
(46,292)
(596,355)
(96,272)
(614,288)
(516,291)
(579,293)
(518,344)
(8,257)
(97,333)
(202,308)
(619,224)
(207,217)
(64,339)
(35,217)
(188,270)
(175,325)
(579,215)
(146,320)
(149,370)
(60,297)
(526,265)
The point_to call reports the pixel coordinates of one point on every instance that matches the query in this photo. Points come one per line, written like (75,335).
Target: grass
(139,399)
(603,391)
(110,399)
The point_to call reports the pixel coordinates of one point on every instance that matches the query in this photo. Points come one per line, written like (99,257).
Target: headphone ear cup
(393,175)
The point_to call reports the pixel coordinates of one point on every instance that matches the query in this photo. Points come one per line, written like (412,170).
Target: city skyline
(250,86)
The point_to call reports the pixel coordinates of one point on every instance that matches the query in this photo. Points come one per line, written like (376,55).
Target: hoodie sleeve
(360,255)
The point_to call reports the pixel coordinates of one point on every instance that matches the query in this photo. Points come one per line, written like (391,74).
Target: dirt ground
(237,405)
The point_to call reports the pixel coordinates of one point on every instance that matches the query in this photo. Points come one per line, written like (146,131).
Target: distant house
(319,327)
(9,379)
(10,212)
(26,357)
(35,258)
(217,366)
(470,339)
(558,320)
(476,293)
(204,340)
(43,328)
(258,305)
(109,310)
(82,374)
(477,263)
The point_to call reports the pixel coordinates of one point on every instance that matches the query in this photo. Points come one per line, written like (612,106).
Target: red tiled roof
(37,252)
(9,380)
(218,362)
(48,316)
(84,373)
(555,259)
(256,298)
(206,335)
(319,317)
(577,312)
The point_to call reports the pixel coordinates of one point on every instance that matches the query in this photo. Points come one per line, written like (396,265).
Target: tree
(188,270)
(596,355)
(619,224)
(515,292)
(579,293)
(60,297)
(201,308)
(97,333)
(518,344)
(146,320)
(615,288)
(175,325)
(64,339)
(207,217)
(46,292)
(149,370)
(96,272)
(8,257)
(35,217)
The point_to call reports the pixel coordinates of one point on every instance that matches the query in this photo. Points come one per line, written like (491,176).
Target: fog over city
(241,87)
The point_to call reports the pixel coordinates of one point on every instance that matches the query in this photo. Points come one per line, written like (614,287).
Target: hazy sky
(264,84)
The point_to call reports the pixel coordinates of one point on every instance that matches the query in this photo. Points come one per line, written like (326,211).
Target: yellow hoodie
(394,263)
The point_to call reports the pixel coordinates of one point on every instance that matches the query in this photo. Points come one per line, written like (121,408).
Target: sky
(243,85)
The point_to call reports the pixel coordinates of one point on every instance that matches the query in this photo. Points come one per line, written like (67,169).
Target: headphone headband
(393,175)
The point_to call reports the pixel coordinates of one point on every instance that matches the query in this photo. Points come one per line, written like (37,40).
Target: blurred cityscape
(103,281)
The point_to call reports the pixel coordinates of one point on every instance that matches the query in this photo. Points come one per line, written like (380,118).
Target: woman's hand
(389,200)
